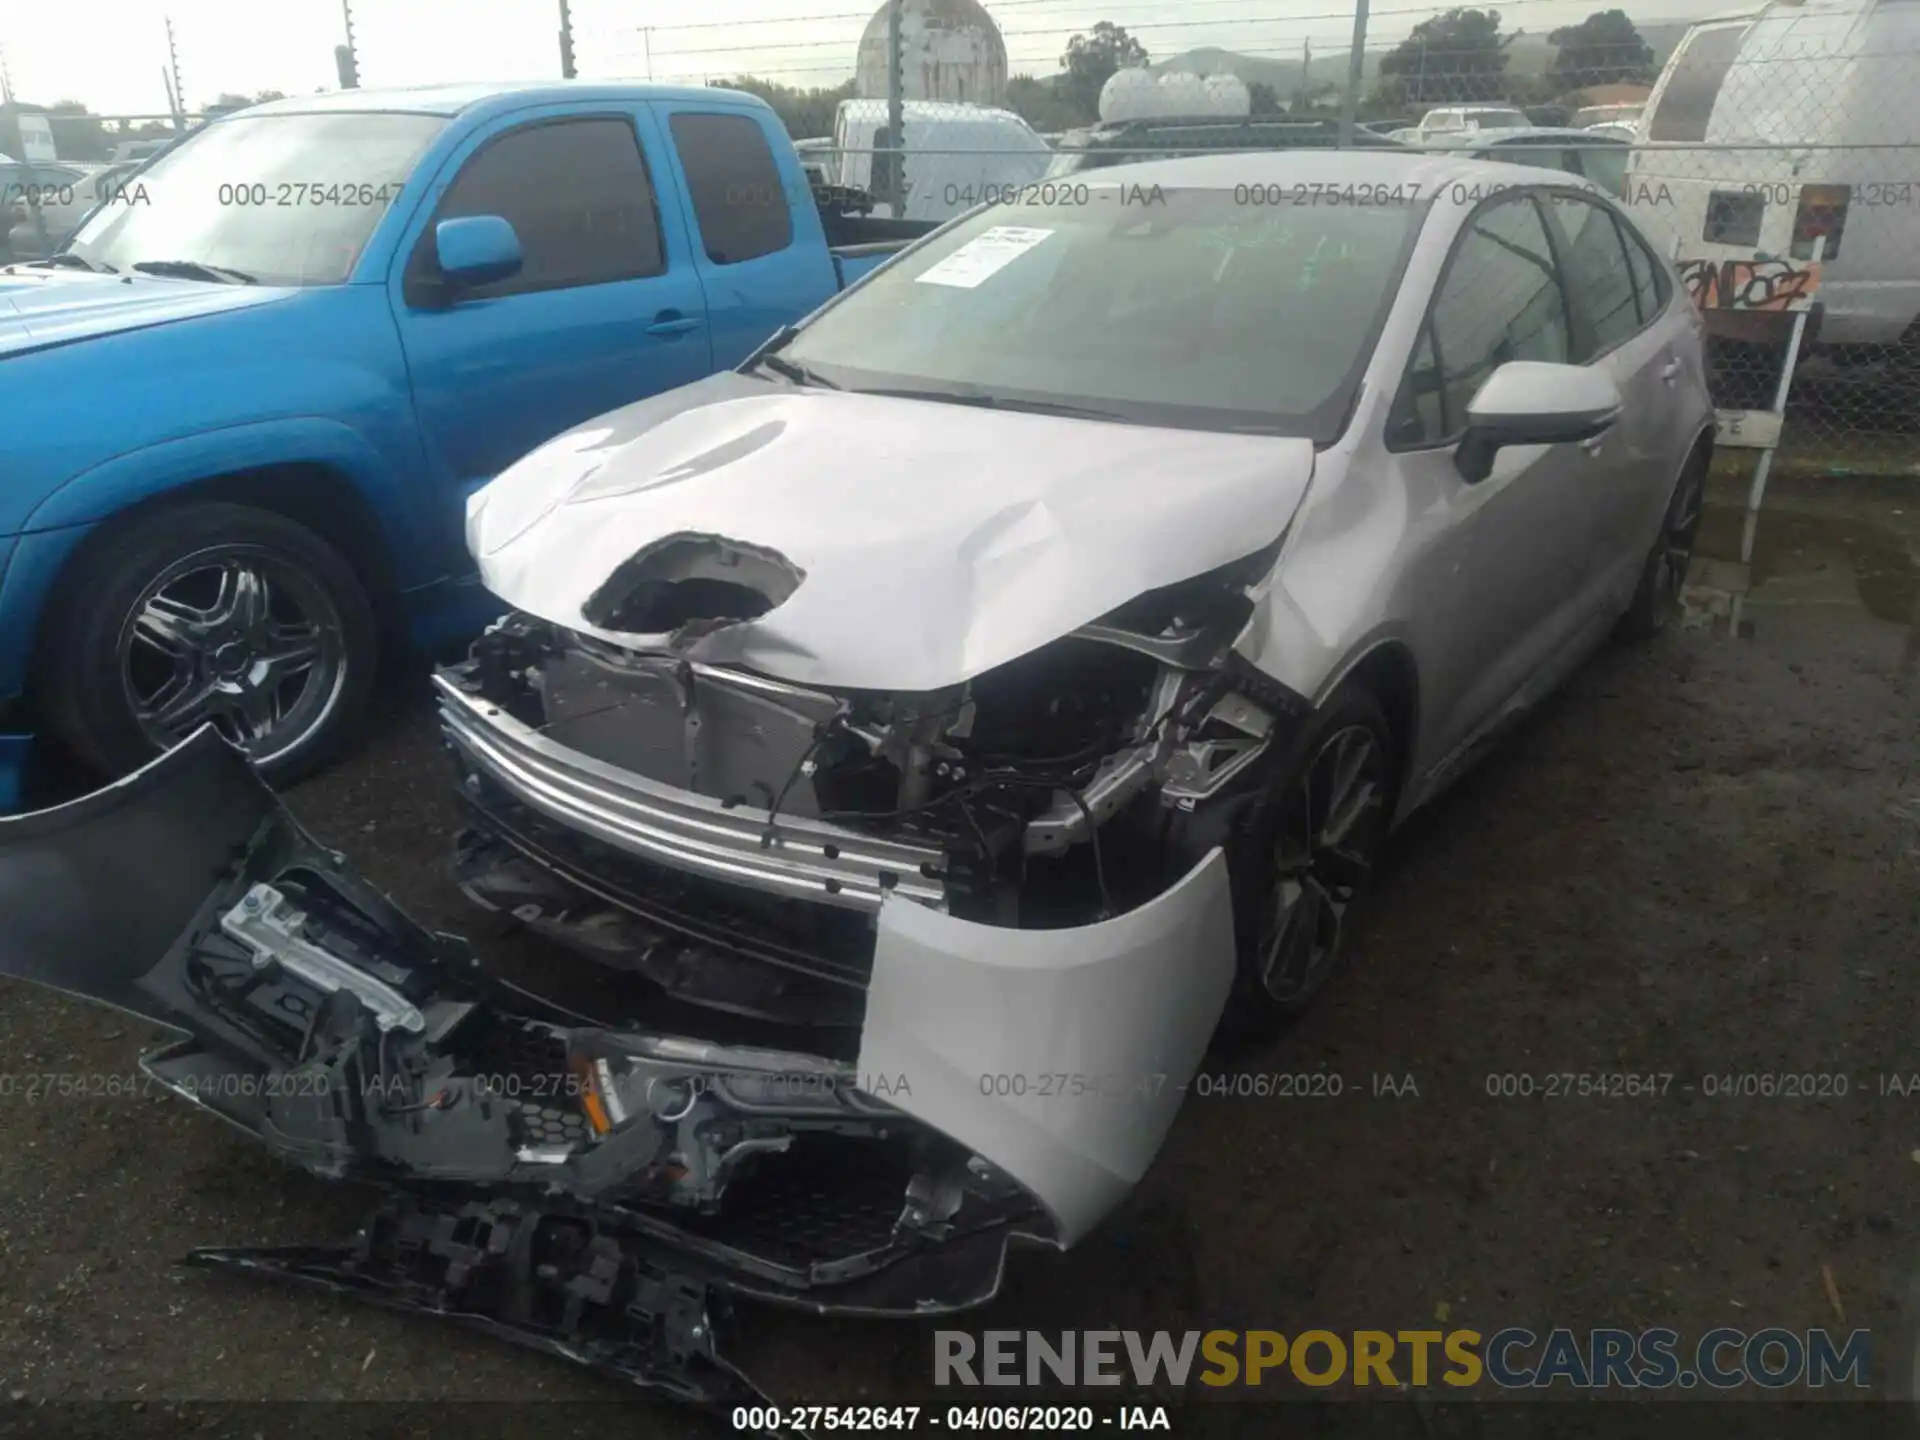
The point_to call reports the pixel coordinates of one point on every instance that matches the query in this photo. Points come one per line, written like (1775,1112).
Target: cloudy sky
(110,53)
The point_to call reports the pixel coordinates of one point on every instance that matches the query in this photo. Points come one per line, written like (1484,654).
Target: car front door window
(578,194)
(1499,300)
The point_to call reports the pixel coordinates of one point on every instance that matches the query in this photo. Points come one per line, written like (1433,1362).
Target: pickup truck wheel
(1302,861)
(210,613)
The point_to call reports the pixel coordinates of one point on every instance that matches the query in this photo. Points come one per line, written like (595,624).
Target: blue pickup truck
(245,405)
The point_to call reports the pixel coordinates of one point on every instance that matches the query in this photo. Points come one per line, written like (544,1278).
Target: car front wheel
(1304,860)
(210,613)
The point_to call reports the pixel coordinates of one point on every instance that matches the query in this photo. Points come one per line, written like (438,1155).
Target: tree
(1090,62)
(807,114)
(1041,104)
(1603,49)
(227,102)
(1261,100)
(1457,57)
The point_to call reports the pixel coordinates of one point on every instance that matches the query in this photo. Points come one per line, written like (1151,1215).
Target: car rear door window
(739,200)
(1499,300)
(1598,273)
(1650,288)
(578,194)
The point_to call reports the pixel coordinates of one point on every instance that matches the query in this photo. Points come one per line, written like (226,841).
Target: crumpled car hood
(935,541)
(43,308)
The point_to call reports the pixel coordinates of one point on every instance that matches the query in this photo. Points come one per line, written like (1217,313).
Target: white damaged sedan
(952,718)
(1020,662)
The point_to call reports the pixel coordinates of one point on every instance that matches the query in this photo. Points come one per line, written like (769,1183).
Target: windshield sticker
(988,252)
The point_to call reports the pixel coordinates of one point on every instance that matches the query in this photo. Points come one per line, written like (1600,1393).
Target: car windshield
(1195,308)
(281,199)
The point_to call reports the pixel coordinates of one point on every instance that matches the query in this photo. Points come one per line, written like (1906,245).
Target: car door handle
(1593,446)
(1670,371)
(668,322)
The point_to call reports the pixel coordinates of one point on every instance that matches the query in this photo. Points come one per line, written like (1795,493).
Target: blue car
(245,405)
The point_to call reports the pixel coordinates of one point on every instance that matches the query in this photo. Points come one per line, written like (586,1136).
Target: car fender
(154,470)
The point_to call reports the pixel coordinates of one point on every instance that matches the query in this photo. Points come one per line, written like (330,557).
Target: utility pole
(1305,96)
(566,40)
(177,93)
(646,44)
(346,58)
(896,112)
(1356,63)
(6,79)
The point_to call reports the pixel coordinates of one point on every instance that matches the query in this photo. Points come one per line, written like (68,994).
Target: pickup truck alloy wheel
(1331,823)
(207,612)
(237,637)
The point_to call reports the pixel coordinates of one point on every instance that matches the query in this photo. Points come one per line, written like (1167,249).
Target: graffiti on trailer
(1778,285)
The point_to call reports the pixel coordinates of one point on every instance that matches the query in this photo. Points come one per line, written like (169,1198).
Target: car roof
(1472,139)
(1430,169)
(458,99)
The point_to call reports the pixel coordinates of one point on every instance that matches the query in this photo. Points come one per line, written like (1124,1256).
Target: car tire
(215,612)
(1296,890)
(1656,600)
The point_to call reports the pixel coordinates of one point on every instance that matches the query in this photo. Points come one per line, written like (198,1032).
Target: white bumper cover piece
(1060,1056)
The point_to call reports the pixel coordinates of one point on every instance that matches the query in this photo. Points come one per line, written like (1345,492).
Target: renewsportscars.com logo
(1510,1359)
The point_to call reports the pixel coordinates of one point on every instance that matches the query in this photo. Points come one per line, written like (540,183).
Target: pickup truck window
(738,198)
(578,194)
(283,199)
(1192,309)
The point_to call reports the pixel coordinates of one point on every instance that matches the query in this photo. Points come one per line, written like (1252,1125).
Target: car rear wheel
(210,613)
(1304,860)
(1657,599)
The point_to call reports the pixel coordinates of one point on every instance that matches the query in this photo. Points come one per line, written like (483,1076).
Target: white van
(956,155)
(1813,105)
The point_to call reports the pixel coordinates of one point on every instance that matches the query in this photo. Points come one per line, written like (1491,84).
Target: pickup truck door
(606,310)
(759,246)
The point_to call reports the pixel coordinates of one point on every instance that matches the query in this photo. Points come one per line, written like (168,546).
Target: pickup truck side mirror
(475,250)
(1533,402)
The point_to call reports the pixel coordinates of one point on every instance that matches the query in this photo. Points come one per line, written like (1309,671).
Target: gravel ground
(1699,861)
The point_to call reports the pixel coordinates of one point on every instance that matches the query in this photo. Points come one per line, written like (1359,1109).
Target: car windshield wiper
(794,371)
(984,401)
(79,262)
(194,270)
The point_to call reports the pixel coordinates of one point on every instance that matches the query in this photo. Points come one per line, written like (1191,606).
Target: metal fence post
(896,111)
(1356,65)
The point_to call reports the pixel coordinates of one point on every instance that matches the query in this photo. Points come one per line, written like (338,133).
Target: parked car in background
(1624,114)
(52,187)
(324,322)
(1125,141)
(1601,158)
(1106,577)
(955,155)
(1811,104)
(1627,130)
(1455,119)
(138,150)
(43,214)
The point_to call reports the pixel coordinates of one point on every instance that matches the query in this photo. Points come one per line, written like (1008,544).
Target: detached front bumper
(604,1192)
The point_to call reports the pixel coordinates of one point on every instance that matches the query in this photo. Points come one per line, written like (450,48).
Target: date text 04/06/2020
(989,1419)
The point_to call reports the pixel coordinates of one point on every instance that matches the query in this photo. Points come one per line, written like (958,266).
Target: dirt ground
(1702,860)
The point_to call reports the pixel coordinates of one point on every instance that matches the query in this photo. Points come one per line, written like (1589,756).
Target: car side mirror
(476,250)
(1532,402)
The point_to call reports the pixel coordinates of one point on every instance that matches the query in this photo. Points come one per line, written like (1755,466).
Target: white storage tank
(1129,95)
